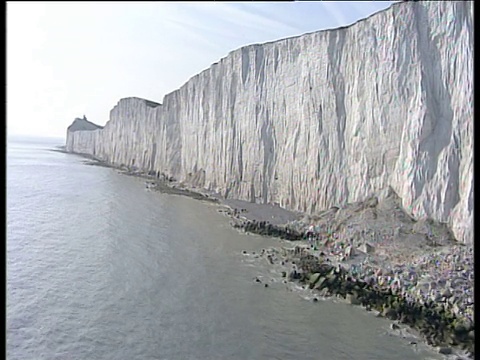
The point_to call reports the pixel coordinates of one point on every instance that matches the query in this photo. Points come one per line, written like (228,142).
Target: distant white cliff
(321,119)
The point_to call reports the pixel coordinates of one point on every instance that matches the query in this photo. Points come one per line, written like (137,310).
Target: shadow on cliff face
(437,128)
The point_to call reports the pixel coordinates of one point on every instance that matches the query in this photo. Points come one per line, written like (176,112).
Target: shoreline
(369,253)
(326,278)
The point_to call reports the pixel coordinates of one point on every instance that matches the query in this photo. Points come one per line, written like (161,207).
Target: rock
(314,279)
(390,313)
(353,299)
(461,329)
(394,326)
(366,248)
(321,283)
(294,275)
(445,351)
(284,273)
(447,293)
(349,251)
(266,285)
(436,297)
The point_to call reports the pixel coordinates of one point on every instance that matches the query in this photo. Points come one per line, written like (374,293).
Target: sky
(69,59)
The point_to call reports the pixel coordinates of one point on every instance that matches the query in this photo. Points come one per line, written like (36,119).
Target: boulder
(445,351)
(461,328)
(349,251)
(390,313)
(313,279)
(447,293)
(353,299)
(321,283)
(294,275)
(394,326)
(366,248)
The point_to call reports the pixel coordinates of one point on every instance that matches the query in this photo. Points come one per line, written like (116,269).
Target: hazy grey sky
(68,59)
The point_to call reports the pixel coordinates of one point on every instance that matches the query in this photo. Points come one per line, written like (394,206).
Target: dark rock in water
(394,326)
(294,275)
(321,283)
(284,273)
(315,299)
(257,280)
(267,229)
(445,351)
(244,252)
(413,343)
(313,279)
(266,285)
(353,299)
(390,313)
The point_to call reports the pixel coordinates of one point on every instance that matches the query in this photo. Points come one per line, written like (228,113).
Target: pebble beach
(421,276)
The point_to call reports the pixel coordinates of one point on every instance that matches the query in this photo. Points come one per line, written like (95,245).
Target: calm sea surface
(98,267)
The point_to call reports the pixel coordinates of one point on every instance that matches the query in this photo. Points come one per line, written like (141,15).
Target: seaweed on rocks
(266,229)
(438,325)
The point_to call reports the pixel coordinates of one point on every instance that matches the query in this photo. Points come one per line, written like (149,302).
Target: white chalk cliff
(321,119)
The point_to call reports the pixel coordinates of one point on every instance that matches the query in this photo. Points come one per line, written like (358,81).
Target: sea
(100,267)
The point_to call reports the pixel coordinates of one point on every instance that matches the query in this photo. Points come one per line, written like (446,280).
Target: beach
(371,254)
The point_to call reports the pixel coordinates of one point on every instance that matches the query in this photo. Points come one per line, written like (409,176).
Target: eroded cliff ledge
(322,119)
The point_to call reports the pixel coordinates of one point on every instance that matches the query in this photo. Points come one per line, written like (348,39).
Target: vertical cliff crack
(439,113)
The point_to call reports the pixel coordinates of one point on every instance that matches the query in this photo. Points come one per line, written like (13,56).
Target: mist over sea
(99,267)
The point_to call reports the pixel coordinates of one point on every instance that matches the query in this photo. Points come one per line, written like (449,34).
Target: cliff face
(321,119)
